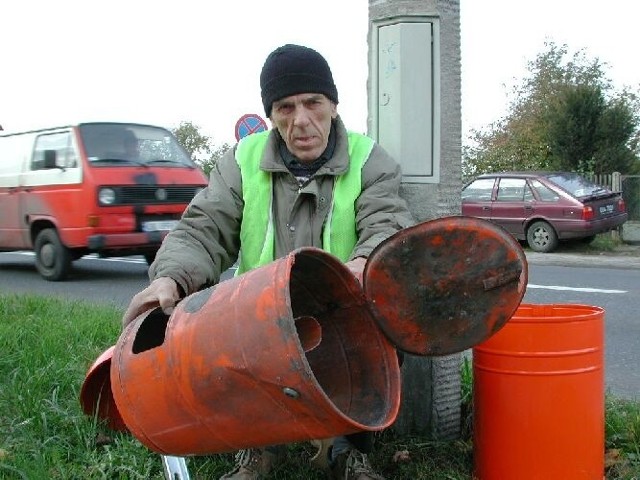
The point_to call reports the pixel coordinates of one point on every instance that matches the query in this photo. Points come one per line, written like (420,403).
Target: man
(277,191)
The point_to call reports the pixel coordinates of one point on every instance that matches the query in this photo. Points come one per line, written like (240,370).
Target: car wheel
(53,259)
(541,237)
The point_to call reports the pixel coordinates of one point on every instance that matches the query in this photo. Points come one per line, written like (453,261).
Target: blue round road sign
(248,124)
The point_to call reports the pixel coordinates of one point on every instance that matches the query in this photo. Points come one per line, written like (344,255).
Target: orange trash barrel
(538,396)
(284,353)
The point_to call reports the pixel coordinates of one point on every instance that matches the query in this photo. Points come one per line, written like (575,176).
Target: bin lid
(445,285)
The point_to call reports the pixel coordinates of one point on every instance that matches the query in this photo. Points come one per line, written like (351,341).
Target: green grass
(46,346)
(607,242)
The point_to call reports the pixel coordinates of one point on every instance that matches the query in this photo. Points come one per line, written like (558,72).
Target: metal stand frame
(175,468)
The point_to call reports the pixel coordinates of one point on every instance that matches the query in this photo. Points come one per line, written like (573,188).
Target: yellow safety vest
(257,238)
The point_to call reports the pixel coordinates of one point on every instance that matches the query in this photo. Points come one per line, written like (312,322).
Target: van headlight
(106,196)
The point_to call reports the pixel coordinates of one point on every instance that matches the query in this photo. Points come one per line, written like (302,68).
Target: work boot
(321,458)
(353,465)
(253,464)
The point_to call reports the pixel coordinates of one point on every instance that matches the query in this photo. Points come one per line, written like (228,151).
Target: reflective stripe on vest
(257,237)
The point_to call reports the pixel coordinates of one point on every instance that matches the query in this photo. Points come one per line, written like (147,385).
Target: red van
(109,188)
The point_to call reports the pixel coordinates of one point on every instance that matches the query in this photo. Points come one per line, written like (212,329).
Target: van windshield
(107,144)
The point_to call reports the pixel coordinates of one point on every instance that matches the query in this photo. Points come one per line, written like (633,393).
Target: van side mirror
(50,158)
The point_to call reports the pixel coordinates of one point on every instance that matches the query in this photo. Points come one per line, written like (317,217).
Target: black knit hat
(293,69)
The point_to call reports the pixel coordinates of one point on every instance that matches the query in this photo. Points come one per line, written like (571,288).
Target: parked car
(544,208)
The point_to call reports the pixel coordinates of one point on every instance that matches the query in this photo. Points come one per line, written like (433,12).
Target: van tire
(541,237)
(53,259)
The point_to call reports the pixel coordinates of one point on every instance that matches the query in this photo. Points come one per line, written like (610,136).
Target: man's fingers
(162,292)
(137,308)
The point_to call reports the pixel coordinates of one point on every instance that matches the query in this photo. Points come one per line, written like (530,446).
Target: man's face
(304,122)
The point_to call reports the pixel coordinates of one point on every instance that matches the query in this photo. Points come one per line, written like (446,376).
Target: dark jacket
(206,241)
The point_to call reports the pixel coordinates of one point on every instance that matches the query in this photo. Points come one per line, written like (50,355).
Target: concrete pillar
(414,93)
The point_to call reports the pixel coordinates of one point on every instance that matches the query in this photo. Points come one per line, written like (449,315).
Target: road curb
(627,262)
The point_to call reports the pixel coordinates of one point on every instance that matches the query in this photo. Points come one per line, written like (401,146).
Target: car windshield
(107,144)
(577,185)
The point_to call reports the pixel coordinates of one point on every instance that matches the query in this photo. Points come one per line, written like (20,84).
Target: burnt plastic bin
(96,397)
(538,400)
(283,353)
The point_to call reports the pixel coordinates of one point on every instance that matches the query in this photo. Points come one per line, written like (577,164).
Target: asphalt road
(615,290)
(117,280)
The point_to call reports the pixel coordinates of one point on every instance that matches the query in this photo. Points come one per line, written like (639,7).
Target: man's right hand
(162,292)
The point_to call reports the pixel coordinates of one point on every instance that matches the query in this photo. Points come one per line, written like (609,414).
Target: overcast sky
(164,62)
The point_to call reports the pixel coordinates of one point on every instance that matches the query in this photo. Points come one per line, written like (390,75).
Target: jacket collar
(338,164)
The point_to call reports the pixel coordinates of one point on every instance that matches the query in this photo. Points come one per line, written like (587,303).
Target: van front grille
(154,194)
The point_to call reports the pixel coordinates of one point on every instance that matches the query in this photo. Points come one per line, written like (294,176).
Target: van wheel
(541,237)
(53,259)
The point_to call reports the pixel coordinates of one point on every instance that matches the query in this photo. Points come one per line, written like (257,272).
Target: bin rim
(581,312)
(96,395)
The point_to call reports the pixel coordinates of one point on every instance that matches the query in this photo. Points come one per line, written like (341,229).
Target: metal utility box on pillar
(405,94)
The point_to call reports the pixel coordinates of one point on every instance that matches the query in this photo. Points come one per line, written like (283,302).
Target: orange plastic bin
(539,396)
(283,353)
